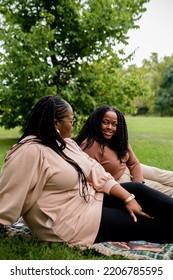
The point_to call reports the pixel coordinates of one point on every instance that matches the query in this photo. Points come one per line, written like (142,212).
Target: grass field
(7,139)
(152,141)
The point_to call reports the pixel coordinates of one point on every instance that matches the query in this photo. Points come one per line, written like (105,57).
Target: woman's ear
(57,126)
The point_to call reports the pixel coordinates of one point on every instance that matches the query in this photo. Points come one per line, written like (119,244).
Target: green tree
(46,44)
(139,104)
(164,100)
(152,73)
(106,83)
(155,70)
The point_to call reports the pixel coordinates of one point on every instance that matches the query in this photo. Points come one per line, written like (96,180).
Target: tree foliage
(164,100)
(152,72)
(61,47)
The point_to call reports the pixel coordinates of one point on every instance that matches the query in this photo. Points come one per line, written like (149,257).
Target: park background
(78,50)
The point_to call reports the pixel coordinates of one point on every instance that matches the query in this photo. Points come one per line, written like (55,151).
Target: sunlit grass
(152,140)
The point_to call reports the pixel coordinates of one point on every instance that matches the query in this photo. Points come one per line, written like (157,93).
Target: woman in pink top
(66,196)
(104,137)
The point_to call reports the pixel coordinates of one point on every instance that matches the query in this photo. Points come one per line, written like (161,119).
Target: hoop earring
(58,131)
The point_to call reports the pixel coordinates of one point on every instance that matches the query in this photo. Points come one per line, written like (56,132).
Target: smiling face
(109,124)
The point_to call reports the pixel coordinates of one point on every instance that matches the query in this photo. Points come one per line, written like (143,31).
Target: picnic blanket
(139,250)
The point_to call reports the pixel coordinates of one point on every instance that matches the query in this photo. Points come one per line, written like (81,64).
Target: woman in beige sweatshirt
(65,196)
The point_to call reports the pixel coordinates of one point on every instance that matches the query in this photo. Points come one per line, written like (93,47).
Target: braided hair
(41,124)
(91,131)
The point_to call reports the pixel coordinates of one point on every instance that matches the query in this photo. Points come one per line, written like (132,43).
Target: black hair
(91,131)
(41,124)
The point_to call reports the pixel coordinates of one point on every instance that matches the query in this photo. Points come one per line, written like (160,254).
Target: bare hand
(134,208)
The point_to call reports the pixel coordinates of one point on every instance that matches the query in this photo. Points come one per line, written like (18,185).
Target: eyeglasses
(70,121)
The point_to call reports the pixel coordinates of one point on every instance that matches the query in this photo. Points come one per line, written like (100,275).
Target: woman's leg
(117,225)
(162,176)
(160,187)
(153,202)
(159,179)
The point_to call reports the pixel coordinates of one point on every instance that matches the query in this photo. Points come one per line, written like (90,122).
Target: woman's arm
(18,178)
(134,166)
(103,182)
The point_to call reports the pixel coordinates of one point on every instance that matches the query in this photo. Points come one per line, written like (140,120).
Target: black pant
(117,224)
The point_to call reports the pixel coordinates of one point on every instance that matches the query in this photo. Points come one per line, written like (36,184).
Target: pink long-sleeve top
(109,160)
(40,185)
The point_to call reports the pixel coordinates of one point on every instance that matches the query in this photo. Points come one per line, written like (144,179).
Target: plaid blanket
(19,227)
(141,250)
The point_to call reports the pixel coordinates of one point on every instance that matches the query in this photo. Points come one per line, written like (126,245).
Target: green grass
(152,141)
(23,248)
(7,139)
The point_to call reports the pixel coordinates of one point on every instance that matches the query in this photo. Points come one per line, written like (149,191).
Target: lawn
(152,141)
(7,139)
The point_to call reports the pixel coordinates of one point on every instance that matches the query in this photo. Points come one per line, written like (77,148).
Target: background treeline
(72,49)
(158,75)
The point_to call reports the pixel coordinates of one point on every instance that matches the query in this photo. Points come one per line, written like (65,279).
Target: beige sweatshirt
(40,185)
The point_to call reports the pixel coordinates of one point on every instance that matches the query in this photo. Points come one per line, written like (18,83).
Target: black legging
(117,224)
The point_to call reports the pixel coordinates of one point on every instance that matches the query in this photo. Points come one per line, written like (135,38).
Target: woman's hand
(131,204)
(134,208)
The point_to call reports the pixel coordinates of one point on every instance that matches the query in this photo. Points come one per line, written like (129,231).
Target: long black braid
(91,131)
(41,124)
